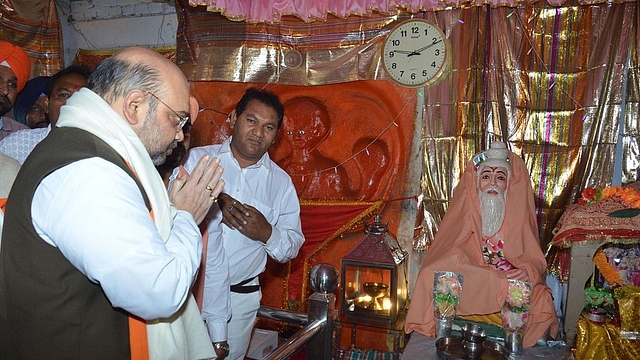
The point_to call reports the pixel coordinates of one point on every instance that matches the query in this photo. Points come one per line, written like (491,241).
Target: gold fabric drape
(603,342)
(33,25)
(560,85)
(555,84)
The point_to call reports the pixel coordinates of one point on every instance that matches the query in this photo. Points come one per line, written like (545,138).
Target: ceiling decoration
(271,11)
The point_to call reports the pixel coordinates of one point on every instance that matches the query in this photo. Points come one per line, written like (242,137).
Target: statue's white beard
(492,210)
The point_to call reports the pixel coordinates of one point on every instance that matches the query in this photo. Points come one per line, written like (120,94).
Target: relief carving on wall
(337,142)
(346,147)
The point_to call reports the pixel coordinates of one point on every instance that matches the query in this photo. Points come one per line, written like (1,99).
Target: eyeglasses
(183,119)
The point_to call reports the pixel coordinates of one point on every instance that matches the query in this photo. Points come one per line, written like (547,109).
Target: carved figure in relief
(307,124)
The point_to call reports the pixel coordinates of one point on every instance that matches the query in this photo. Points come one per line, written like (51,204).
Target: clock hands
(409,53)
(419,51)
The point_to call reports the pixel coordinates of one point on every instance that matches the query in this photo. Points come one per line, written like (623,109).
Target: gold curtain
(33,25)
(560,85)
(554,83)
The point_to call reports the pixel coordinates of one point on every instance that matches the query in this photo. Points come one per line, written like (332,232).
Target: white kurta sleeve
(102,226)
(216,300)
(286,237)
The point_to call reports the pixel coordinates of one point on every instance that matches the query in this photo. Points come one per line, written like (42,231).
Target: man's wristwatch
(223,346)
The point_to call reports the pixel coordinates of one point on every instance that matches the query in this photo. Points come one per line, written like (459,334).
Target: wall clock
(415,52)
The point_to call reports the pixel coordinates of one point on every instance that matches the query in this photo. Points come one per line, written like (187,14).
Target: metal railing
(316,334)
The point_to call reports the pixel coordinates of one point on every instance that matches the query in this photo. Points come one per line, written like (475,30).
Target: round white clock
(414,53)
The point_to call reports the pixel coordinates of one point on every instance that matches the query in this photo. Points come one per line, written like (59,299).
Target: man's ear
(135,107)
(46,104)
(232,118)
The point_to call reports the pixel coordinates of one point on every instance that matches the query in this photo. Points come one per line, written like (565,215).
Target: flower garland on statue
(608,272)
(601,298)
(629,195)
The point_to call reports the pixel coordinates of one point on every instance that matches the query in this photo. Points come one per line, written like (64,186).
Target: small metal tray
(450,348)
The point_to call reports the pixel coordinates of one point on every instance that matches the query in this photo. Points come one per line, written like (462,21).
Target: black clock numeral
(433,64)
(437,52)
(395,42)
(415,30)
(424,73)
(394,65)
(392,54)
(401,73)
(413,76)
(403,33)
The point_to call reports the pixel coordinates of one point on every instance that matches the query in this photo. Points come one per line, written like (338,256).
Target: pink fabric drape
(271,11)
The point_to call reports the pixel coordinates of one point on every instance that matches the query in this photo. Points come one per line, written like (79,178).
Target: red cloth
(457,247)
(17,60)
(322,223)
(583,223)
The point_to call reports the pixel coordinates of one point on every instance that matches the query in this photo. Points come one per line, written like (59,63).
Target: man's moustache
(494,188)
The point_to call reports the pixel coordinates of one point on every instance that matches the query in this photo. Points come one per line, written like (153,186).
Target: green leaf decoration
(625,213)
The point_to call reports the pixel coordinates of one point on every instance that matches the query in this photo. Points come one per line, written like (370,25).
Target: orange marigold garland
(608,272)
(629,195)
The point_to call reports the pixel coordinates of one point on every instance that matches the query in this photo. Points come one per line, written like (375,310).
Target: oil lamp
(373,278)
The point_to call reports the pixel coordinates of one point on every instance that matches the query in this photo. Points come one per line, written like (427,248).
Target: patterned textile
(33,25)
(366,355)
(494,255)
(91,58)
(9,126)
(210,47)
(19,144)
(591,222)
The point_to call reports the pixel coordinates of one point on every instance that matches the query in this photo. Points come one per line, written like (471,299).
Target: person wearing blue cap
(58,89)
(31,104)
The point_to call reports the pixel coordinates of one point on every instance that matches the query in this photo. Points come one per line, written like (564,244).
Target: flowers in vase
(447,289)
(515,311)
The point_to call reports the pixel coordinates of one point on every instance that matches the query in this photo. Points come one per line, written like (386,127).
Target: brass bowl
(375,289)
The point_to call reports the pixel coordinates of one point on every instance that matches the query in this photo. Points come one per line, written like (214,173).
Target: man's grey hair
(114,77)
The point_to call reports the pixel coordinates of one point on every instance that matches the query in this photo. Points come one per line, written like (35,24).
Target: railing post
(321,306)
(322,303)
(317,335)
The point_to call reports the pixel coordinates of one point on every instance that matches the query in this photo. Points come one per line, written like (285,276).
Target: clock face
(414,53)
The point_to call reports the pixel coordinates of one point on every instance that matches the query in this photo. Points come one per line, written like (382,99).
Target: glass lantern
(373,278)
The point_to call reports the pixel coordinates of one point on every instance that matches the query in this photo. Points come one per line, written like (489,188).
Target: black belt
(240,287)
